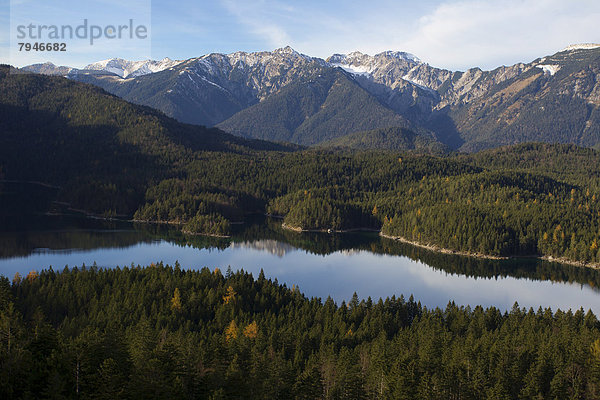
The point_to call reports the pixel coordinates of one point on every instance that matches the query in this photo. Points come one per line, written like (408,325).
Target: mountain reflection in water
(321,264)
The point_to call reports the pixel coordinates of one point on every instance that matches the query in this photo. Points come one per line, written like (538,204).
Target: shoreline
(205,234)
(301,230)
(430,247)
(560,260)
(437,249)
(442,250)
(185,232)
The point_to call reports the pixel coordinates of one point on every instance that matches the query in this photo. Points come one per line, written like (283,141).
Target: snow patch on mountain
(131,69)
(400,55)
(418,83)
(212,83)
(549,69)
(354,69)
(581,46)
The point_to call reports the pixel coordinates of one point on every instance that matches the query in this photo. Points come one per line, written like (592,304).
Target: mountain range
(287,96)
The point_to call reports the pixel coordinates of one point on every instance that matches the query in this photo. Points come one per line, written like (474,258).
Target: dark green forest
(94,152)
(477,204)
(392,139)
(165,332)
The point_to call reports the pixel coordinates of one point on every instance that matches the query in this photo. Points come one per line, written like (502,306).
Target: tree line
(165,332)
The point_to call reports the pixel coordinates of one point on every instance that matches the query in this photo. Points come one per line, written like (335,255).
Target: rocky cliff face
(552,99)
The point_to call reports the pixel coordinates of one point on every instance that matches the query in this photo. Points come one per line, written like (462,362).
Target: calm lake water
(320,264)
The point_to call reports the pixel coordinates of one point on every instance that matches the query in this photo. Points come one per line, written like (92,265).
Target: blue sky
(444,33)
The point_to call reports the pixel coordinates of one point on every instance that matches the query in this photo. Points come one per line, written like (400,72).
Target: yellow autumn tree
(231,332)
(17,279)
(176,301)
(556,234)
(251,330)
(31,276)
(230,295)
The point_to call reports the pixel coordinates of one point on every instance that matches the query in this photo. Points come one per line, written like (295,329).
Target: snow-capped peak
(288,51)
(129,69)
(358,57)
(358,63)
(356,54)
(336,58)
(400,55)
(285,50)
(581,46)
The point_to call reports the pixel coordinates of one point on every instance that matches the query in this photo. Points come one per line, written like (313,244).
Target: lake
(321,265)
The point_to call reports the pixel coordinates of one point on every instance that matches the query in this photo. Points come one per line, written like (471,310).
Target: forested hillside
(391,139)
(324,106)
(162,332)
(97,153)
(101,150)
(470,204)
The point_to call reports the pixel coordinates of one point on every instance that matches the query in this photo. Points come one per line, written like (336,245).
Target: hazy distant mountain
(285,95)
(48,69)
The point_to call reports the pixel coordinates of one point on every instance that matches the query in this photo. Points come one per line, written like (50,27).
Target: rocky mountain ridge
(468,110)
